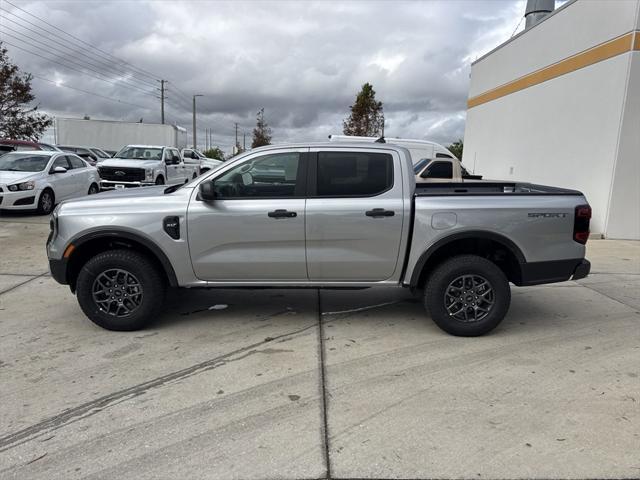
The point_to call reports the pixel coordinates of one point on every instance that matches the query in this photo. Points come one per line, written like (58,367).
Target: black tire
(93,189)
(119,313)
(160,180)
(460,303)
(195,175)
(46,202)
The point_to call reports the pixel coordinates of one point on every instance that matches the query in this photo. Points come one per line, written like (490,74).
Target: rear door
(63,184)
(254,230)
(354,215)
(80,175)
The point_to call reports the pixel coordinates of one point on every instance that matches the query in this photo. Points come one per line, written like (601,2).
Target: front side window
(23,162)
(354,174)
(61,161)
(439,170)
(268,176)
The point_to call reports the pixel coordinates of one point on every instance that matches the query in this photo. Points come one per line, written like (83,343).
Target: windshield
(99,153)
(23,162)
(420,165)
(140,153)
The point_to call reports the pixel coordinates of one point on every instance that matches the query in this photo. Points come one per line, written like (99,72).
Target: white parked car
(37,180)
(194,157)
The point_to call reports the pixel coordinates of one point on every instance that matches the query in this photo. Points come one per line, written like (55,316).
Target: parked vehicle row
(39,179)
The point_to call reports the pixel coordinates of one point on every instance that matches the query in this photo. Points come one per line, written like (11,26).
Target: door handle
(379,212)
(281,213)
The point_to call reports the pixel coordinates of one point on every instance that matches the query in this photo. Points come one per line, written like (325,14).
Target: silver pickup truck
(322,216)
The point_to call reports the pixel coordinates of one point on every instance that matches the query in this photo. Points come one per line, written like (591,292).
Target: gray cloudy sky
(302,61)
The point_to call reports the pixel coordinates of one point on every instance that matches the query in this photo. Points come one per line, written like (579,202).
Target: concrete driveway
(307,384)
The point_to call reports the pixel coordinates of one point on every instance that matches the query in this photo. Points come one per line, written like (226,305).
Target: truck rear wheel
(120,290)
(467,296)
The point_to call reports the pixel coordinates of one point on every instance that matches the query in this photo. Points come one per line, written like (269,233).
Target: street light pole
(195,144)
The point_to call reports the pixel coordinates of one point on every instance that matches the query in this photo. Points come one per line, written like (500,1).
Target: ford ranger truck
(322,216)
(144,165)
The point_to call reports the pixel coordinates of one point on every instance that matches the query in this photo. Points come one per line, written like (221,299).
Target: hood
(123,162)
(125,193)
(17,177)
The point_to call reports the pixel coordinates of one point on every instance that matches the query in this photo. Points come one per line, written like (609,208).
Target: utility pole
(195,143)
(244,141)
(210,137)
(162,82)
(237,144)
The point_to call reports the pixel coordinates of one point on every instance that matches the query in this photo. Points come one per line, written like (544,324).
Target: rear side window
(76,162)
(439,170)
(354,174)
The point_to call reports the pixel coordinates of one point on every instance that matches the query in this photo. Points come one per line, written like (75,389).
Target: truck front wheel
(160,180)
(467,296)
(120,290)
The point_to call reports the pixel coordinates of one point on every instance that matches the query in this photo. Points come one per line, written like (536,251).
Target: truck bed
(489,188)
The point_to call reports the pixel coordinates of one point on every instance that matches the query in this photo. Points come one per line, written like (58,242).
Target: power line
(66,66)
(57,84)
(75,49)
(54,51)
(118,60)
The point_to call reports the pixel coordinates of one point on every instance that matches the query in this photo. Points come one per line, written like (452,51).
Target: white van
(431,161)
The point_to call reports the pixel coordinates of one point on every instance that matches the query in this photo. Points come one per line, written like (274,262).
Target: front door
(172,161)
(254,229)
(354,215)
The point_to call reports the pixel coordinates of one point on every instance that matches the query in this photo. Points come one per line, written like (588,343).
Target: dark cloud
(302,61)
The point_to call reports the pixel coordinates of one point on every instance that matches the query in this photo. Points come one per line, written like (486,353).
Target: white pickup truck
(141,165)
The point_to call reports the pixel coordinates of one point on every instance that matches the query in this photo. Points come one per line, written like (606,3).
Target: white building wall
(567,131)
(572,29)
(624,203)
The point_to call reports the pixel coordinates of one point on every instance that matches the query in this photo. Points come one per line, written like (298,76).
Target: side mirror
(207,192)
(59,170)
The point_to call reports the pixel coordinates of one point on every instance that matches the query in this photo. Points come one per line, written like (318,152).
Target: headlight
(149,173)
(30,185)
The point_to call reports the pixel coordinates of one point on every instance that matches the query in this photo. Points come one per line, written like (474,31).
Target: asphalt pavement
(289,384)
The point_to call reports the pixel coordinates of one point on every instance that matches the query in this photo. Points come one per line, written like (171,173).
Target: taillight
(581,223)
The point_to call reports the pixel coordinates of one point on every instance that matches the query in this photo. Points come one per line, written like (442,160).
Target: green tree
(215,153)
(456,148)
(366,118)
(17,119)
(262,132)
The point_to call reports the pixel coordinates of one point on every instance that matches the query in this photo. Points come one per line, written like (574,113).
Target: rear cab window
(353,174)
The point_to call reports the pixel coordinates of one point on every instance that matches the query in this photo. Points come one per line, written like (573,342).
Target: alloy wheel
(117,292)
(469,298)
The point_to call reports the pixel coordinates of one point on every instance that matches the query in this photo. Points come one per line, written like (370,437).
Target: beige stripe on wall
(601,52)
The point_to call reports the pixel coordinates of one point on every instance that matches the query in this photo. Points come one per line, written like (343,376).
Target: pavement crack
(34,277)
(92,407)
(323,388)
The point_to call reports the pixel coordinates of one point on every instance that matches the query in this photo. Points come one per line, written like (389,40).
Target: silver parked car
(37,180)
